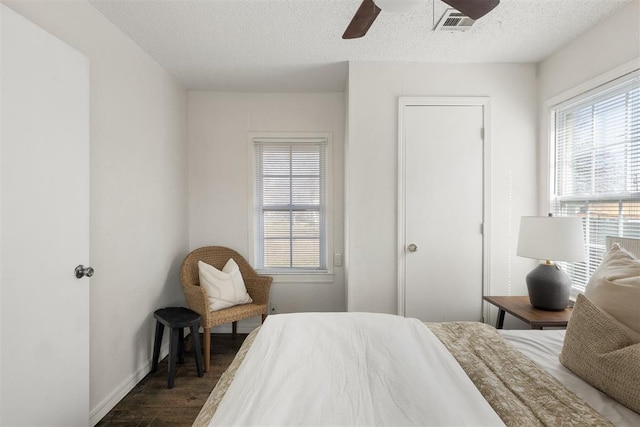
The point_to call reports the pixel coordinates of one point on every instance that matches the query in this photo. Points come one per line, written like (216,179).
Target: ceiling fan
(369,10)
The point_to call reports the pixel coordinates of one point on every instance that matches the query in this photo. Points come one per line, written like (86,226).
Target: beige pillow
(224,288)
(615,287)
(603,352)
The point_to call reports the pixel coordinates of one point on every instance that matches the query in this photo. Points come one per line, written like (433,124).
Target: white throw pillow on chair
(224,288)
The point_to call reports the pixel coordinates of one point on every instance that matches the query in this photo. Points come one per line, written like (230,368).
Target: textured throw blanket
(517,390)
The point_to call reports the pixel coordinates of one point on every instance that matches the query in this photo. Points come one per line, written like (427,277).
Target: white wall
(219,188)
(1,221)
(138,192)
(582,64)
(371,162)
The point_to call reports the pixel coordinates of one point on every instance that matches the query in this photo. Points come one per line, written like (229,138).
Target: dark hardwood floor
(151,403)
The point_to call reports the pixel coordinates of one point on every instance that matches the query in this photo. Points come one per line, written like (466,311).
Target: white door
(441,201)
(44,226)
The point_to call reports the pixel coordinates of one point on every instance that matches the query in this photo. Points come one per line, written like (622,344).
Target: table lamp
(550,239)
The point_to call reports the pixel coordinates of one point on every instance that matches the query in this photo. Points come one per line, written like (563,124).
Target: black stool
(176,318)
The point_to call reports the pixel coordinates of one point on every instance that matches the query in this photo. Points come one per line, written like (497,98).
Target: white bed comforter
(350,369)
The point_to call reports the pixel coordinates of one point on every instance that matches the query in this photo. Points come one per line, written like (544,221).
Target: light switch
(337,260)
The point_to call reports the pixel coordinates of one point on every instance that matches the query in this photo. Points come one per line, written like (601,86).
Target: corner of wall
(346,191)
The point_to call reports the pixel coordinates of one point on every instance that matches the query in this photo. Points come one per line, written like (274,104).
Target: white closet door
(442,252)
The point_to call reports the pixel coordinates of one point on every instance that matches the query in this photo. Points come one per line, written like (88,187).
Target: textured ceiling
(296,45)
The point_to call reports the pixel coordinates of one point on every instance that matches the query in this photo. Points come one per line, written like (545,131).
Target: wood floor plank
(151,403)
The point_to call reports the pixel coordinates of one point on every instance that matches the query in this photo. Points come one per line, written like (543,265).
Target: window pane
(610,120)
(306,162)
(276,162)
(277,224)
(631,222)
(600,224)
(597,167)
(579,178)
(277,253)
(276,191)
(306,191)
(306,253)
(610,169)
(306,224)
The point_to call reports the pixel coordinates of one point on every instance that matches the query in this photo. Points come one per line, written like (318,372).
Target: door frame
(410,101)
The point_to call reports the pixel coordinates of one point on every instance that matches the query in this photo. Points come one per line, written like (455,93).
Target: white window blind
(290,204)
(596,173)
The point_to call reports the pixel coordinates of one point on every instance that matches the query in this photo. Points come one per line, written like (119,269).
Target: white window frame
(282,275)
(603,81)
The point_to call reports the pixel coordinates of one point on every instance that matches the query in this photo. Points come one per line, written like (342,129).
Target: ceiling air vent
(452,20)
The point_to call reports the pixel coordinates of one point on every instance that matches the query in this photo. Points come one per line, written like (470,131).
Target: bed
(377,369)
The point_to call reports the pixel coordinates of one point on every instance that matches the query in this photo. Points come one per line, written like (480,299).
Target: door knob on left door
(81,271)
(412,248)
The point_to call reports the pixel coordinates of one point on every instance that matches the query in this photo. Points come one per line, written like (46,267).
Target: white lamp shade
(551,238)
(398,5)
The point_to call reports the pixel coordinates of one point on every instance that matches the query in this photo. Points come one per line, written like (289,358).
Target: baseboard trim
(121,391)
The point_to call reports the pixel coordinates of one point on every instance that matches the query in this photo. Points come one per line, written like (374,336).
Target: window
(596,167)
(290,204)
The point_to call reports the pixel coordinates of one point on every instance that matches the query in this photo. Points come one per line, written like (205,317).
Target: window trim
(575,94)
(297,275)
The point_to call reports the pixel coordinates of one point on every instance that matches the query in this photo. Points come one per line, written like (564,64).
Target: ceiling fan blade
(362,20)
(474,9)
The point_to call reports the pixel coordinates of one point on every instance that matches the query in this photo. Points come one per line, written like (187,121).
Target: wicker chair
(257,287)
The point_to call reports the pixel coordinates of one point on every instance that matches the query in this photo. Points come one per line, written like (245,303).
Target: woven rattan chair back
(258,287)
(216,256)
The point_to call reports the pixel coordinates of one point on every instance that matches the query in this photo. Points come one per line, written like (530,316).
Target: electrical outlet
(273,308)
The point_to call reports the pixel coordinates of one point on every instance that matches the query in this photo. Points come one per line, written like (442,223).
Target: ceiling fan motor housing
(398,5)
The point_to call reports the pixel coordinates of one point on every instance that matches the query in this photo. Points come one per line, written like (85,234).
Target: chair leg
(173,355)
(195,339)
(156,346)
(234,328)
(181,345)
(206,347)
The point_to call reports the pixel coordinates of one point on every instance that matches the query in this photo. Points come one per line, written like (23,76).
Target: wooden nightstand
(521,308)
